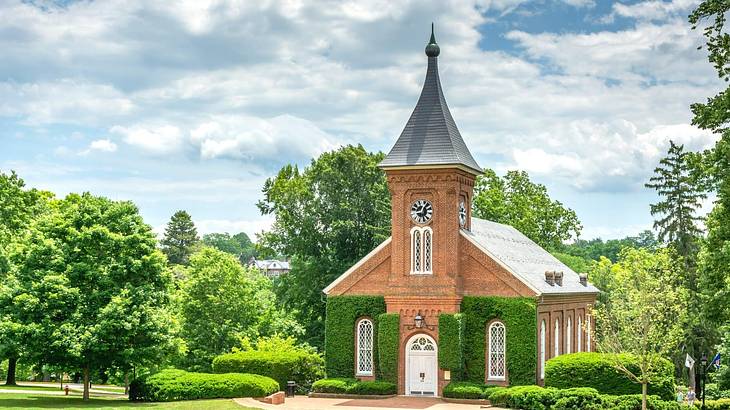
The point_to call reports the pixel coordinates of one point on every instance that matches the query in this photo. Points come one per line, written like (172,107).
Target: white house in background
(271,268)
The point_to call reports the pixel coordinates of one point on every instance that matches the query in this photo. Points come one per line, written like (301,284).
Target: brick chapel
(439,254)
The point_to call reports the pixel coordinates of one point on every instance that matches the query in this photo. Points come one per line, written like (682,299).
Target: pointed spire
(431,138)
(432,49)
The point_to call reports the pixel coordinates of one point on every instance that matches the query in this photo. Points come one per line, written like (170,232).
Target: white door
(421,366)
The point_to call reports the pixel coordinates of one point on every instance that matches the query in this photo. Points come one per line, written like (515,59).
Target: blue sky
(193,104)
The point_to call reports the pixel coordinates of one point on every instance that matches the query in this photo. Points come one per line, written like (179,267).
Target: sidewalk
(394,403)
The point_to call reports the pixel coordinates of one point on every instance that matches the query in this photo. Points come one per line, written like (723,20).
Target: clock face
(421,211)
(462,213)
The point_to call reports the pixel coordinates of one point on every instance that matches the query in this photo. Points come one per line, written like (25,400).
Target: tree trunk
(12,362)
(126,382)
(644,388)
(86,382)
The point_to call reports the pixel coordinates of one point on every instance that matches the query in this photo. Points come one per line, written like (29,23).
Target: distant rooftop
(431,136)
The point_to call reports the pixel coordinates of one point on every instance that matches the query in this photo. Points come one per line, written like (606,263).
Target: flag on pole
(716,361)
(689,361)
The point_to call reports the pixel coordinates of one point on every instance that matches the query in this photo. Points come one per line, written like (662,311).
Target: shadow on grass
(63,402)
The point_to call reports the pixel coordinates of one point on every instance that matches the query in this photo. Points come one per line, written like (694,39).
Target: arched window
(421,250)
(543,340)
(557,337)
(496,354)
(580,333)
(365,347)
(588,333)
(569,335)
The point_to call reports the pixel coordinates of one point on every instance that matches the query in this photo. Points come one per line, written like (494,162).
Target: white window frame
(543,348)
(569,336)
(502,351)
(580,333)
(368,349)
(421,262)
(557,337)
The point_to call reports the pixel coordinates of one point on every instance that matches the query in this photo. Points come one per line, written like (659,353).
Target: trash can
(291,387)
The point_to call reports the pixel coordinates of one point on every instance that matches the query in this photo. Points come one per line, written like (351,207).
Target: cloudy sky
(192,105)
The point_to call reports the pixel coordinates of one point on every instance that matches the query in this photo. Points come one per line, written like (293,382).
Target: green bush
(451,335)
(469,390)
(464,390)
(722,404)
(334,385)
(519,316)
(173,384)
(596,370)
(388,346)
(339,338)
(712,392)
(373,388)
(354,386)
(301,367)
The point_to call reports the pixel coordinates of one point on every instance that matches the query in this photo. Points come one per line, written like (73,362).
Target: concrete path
(75,389)
(394,403)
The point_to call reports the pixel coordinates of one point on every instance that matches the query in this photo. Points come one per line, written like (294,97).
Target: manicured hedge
(596,370)
(538,398)
(519,316)
(451,335)
(469,390)
(301,367)
(172,385)
(354,386)
(339,338)
(388,341)
(722,404)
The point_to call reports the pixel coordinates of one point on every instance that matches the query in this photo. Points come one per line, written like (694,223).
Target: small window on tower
(421,250)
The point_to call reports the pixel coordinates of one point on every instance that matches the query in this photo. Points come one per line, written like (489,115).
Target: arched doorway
(421,366)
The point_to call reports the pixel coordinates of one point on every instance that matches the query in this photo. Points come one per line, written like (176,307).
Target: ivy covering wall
(388,346)
(451,346)
(519,316)
(339,339)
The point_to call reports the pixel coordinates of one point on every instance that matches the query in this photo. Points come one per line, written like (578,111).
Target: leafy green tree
(643,314)
(326,218)
(220,303)
(714,115)
(594,249)
(99,289)
(18,208)
(515,200)
(180,238)
(238,245)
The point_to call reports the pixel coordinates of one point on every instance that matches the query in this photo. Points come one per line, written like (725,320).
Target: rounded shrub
(173,384)
(596,370)
(299,366)
(335,385)
(464,390)
(354,386)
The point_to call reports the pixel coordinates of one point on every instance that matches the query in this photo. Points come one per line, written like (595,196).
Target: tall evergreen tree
(677,223)
(180,237)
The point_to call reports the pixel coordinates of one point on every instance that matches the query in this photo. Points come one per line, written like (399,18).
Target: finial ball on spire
(432,49)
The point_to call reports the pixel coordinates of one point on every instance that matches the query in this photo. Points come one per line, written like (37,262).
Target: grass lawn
(31,387)
(39,401)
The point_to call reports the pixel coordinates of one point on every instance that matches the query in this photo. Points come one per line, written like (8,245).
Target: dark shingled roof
(430,136)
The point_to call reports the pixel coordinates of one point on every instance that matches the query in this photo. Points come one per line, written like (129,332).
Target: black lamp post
(703,367)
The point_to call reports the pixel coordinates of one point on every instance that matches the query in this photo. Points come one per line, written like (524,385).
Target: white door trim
(408,362)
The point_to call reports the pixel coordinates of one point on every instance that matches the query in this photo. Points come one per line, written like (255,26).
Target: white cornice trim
(354,267)
(499,262)
(432,166)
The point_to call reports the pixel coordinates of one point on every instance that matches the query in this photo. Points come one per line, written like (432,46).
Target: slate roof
(431,136)
(523,257)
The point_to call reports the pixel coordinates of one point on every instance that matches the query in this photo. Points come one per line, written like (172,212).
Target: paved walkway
(394,403)
(75,388)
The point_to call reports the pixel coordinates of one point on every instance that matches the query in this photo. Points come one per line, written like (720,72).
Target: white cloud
(655,9)
(104,145)
(161,139)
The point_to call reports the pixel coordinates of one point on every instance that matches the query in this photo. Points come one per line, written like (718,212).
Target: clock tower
(430,174)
